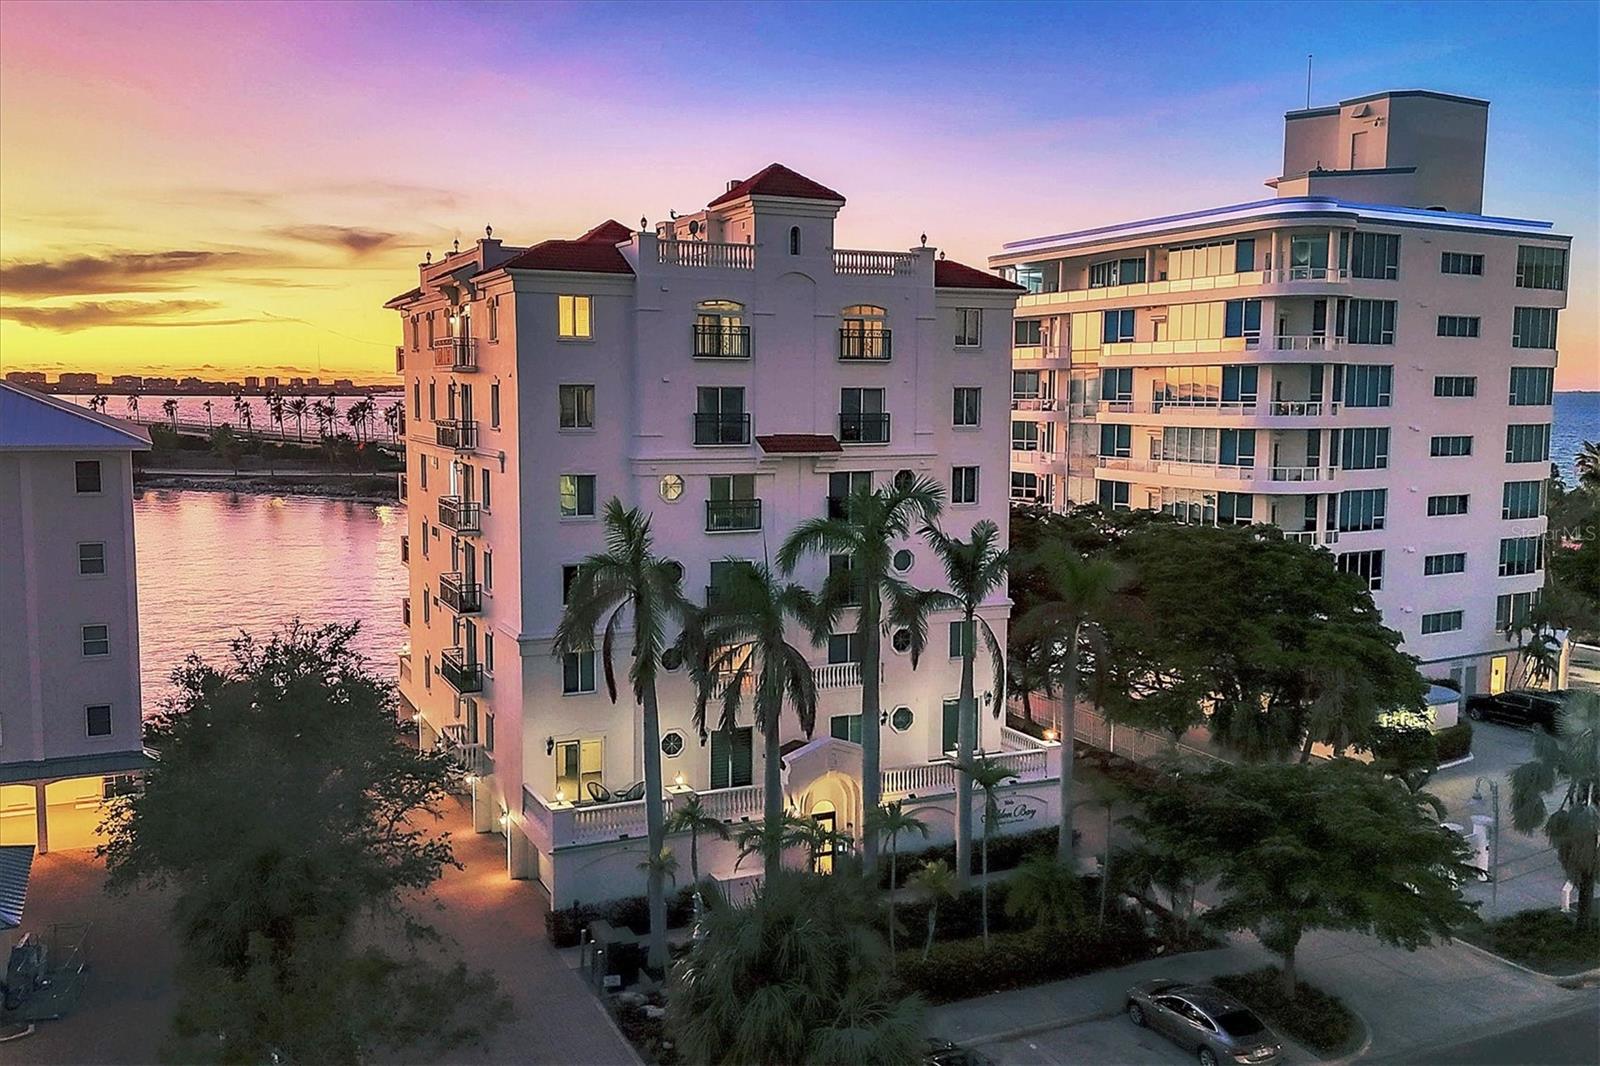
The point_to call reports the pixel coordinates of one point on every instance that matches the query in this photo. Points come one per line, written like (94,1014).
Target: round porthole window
(672,744)
(671,487)
(901,641)
(904,479)
(901,719)
(903,560)
(671,659)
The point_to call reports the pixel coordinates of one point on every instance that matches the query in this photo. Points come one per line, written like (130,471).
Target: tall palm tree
(1588,463)
(297,408)
(133,404)
(359,414)
(97,402)
(872,523)
(690,816)
(207,406)
(628,578)
(987,776)
(890,820)
(169,407)
(936,882)
(1076,593)
(739,646)
(973,568)
(1569,763)
(275,409)
(394,416)
(247,416)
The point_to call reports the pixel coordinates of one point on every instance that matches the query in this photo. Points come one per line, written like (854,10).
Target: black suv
(1521,706)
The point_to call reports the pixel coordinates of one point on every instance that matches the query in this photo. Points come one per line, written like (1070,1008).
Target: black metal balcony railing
(463,676)
(719,428)
(458,515)
(865,345)
(721,342)
(460,596)
(864,428)
(458,433)
(728,516)
(456,353)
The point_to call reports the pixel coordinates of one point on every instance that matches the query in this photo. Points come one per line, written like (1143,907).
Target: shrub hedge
(1006,852)
(1455,742)
(565,927)
(1544,939)
(1316,1018)
(960,969)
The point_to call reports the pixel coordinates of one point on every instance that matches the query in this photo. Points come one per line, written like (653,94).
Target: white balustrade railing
(1030,764)
(607,821)
(927,779)
(840,675)
(1313,536)
(733,804)
(1016,740)
(1303,408)
(1186,407)
(1033,403)
(852,261)
(1300,473)
(1306,274)
(706,254)
(1307,343)
(1164,466)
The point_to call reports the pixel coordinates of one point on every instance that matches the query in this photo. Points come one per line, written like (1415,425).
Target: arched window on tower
(794,240)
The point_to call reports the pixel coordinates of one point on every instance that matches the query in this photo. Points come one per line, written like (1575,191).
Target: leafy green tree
(891,820)
(1074,592)
(937,883)
(690,816)
(1046,893)
(987,777)
(629,580)
(226,445)
(1338,846)
(798,975)
(874,521)
(738,647)
(1588,464)
(287,818)
(975,569)
(1569,764)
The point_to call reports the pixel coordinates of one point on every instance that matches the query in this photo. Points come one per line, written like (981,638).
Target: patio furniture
(633,792)
(600,793)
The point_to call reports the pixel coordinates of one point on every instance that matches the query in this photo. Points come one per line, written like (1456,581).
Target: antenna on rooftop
(1308,80)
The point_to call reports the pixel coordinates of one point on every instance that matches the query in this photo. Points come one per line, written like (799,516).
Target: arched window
(719,330)
(864,333)
(794,240)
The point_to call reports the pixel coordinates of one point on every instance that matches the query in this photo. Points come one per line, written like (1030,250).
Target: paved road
(1570,1039)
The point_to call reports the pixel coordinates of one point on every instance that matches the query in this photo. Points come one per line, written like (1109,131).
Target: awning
(69,766)
(799,444)
(16,863)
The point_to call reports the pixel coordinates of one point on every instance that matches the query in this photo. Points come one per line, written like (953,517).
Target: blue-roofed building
(70,710)
(1365,360)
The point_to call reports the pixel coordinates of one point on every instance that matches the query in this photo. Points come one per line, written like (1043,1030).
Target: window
(1117,326)
(1364,384)
(1458,325)
(1522,499)
(1024,487)
(579,763)
(1440,506)
(1528,443)
(1532,386)
(732,504)
(92,558)
(719,330)
(901,718)
(577,406)
(1362,509)
(1368,321)
(1441,622)
(969,327)
(966,405)
(488,653)
(1024,436)
(961,637)
(903,559)
(577,672)
(1512,611)
(494,318)
(1242,318)
(963,484)
(97,720)
(842,484)
(1447,563)
(1113,495)
(1460,263)
(844,648)
(96,641)
(494,404)
(1521,555)
(1533,327)
(862,418)
(1025,384)
(1375,255)
(731,757)
(845,727)
(569,574)
(416,399)
(1366,448)
(1027,332)
(1461,385)
(794,240)
(577,495)
(87,473)
(433,402)
(1541,268)
(488,570)
(1116,272)
(483,494)
(1235,508)
(951,734)
(1450,447)
(1211,259)
(1116,384)
(573,314)
(864,333)
(1367,565)
(488,730)
(1116,441)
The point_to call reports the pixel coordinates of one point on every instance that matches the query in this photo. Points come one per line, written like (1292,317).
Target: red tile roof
(608,232)
(593,253)
(949,274)
(778,180)
(404,297)
(798,443)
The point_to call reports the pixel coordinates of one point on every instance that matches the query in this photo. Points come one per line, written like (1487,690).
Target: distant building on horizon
(26,378)
(1366,362)
(75,379)
(127,381)
(269,382)
(251,381)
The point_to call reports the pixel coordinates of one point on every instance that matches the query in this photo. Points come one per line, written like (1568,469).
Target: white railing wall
(713,254)
(852,261)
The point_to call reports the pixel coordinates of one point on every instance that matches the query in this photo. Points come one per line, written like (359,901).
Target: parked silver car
(1205,1021)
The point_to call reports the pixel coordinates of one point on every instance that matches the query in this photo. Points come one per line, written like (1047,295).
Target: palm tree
(97,402)
(359,414)
(629,578)
(1077,592)
(937,883)
(275,409)
(297,410)
(739,645)
(987,776)
(973,568)
(133,405)
(1046,893)
(871,524)
(246,416)
(890,820)
(169,407)
(207,406)
(394,416)
(690,816)
(1568,762)
(1588,463)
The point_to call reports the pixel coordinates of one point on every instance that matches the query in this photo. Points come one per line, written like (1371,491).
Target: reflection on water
(213,563)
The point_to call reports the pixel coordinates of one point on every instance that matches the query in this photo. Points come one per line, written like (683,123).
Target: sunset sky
(237,188)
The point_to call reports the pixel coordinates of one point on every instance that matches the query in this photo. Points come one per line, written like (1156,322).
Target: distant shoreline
(326,487)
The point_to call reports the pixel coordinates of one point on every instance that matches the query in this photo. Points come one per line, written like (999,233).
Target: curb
(1360,1052)
(1453,763)
(1571,980)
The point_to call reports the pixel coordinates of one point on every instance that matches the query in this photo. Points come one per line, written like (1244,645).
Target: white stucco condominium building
(1366,361)
(70,711)
(734,373)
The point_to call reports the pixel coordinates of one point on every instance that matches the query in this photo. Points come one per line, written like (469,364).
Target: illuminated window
(577,495)
(574,315)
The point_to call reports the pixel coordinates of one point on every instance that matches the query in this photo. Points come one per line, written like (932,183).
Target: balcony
(1184,408)
(402,488)
(405,548)
(879,264)
(1033,403)
(840,675)
(718,428)
(733,516)
(1187,346)
(721,342)
(457,433)
(1302,408)
(865,346)
(460,596)
(458,515)
(1318,538)
(469,756)
(463,676)
(405,611)
(459,354)
(1311,342)
(399,359)
(1035,457)
(1305,273)
(861,428)
(706,255)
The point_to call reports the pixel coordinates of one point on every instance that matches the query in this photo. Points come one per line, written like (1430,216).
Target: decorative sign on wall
(1018,810)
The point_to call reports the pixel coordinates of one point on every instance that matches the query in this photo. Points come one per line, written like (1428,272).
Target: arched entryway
(834,799)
